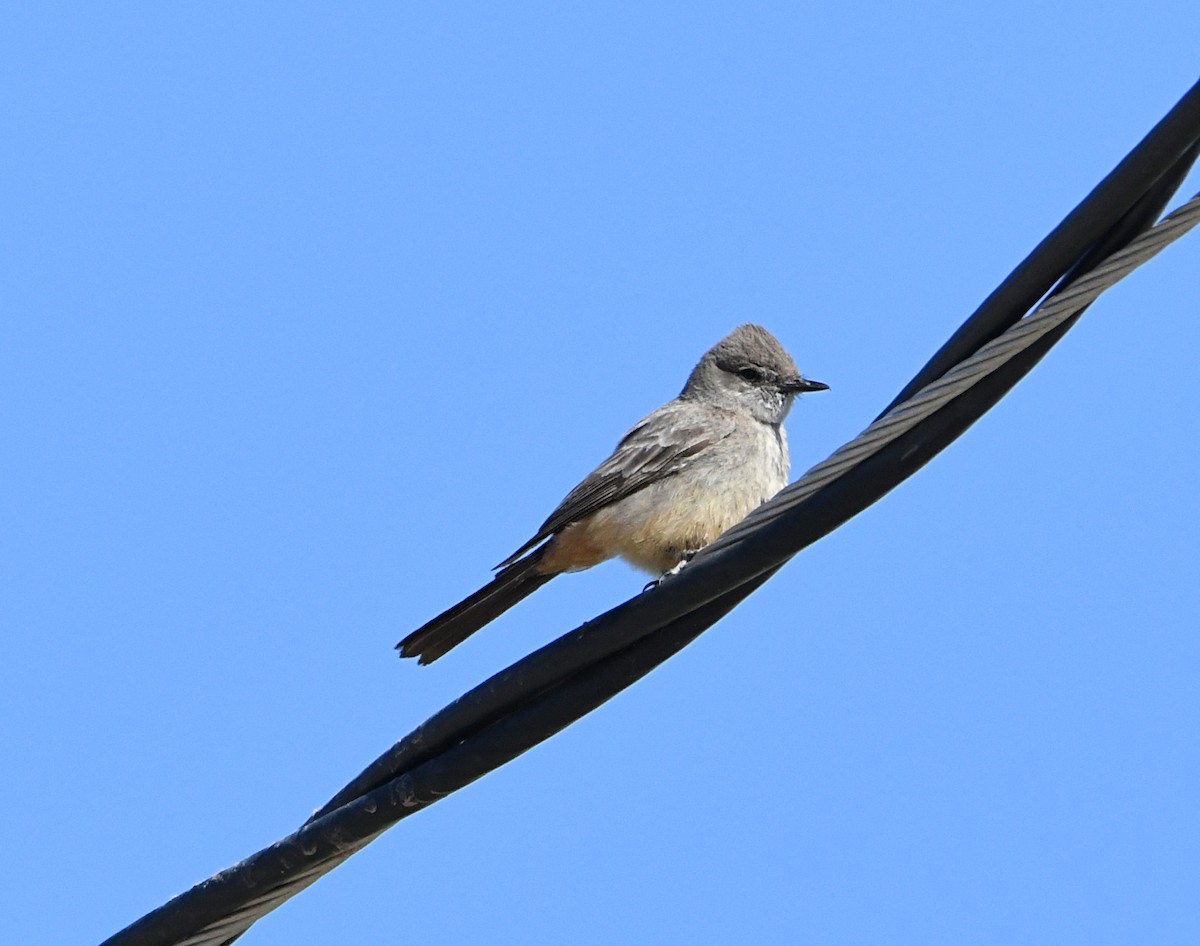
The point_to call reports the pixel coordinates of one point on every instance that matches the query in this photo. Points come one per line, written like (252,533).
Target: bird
(679,478)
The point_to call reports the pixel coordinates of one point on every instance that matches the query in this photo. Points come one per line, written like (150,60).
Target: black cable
(1130,181)
(547,690)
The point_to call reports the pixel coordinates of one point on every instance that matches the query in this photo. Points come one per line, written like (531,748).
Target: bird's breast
(654,527)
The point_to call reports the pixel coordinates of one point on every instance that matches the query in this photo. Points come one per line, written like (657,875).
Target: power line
(1103,239)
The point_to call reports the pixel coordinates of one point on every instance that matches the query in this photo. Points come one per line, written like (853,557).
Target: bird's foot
(679,566)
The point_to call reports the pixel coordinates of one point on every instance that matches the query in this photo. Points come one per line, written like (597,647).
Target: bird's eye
(752,375)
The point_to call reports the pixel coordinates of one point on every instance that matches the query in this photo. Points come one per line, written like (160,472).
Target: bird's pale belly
(654,527)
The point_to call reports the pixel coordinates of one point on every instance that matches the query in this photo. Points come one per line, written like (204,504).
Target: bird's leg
(686,557)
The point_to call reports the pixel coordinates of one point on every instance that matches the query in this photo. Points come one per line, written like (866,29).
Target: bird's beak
(800,385)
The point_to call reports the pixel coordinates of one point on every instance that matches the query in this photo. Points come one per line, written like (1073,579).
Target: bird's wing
(660,446)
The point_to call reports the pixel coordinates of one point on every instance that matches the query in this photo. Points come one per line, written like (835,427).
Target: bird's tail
(450,628)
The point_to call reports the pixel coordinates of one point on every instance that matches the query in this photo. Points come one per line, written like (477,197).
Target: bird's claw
(679,566)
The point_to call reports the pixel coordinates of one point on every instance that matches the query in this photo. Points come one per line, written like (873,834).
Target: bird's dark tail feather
(450,628)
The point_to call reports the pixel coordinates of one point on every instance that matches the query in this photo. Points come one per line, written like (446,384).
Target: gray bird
(675,482)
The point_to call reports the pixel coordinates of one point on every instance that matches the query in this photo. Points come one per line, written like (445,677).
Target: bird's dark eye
(752,375)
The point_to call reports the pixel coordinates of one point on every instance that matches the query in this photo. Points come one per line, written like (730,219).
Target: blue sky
(315,311)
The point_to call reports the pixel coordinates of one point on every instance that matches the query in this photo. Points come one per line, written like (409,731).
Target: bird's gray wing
(660,446)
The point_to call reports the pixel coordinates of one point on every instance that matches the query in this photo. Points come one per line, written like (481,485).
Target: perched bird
(681,477)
